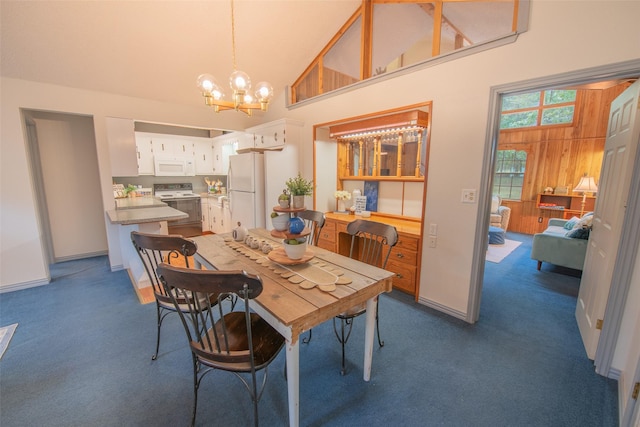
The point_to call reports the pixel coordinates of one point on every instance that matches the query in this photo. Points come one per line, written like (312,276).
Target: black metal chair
(314,221)
(153,249)
(240,342)
(371,243)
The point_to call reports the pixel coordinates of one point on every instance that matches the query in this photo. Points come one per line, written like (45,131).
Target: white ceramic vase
(341,207)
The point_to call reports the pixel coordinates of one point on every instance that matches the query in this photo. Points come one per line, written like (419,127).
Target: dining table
(298,294)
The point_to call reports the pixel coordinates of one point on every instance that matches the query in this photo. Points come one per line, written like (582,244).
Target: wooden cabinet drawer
(407,243)
(405,276)
(404,256)
(328,232)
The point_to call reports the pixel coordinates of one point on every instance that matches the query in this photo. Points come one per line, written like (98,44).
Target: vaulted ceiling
(157,49)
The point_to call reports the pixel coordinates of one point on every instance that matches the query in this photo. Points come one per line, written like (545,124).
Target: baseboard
(81,256)
(24,285)
(443,308)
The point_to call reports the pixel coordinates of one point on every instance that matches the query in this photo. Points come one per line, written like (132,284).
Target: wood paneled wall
(559,155)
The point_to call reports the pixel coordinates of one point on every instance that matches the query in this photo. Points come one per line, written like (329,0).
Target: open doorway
(629,70)
(64,167)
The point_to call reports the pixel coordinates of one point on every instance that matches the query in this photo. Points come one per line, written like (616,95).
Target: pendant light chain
(233,37)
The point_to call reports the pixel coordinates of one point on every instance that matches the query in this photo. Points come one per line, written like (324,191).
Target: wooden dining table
(298,296)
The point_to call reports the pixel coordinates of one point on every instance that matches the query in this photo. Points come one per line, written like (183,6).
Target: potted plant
(298,188)
(283,199)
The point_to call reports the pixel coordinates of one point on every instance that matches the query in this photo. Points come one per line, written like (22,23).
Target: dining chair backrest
(154,249)
(314,220)
(219,336)
(375,241)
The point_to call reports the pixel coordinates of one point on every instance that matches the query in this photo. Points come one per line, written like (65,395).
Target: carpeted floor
(82,357)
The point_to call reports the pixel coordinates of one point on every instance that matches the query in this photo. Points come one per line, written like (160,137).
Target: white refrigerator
(279,166)
(246,189)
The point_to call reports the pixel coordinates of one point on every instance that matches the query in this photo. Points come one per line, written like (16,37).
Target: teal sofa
(554,247)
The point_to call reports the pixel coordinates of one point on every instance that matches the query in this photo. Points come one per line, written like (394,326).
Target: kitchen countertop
(138,202)
(144,215)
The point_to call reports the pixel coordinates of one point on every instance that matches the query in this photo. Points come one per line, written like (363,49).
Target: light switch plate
(468,196)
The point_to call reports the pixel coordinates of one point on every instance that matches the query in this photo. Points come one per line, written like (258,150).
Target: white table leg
(293,381)
(368,337)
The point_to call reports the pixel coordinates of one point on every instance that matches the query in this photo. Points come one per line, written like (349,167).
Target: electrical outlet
(432,241)
(469,196)
(433,229)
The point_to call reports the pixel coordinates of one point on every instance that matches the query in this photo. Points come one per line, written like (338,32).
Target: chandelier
(240,83)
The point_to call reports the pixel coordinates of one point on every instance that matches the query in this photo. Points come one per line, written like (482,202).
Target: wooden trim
(366,40)
(408,118)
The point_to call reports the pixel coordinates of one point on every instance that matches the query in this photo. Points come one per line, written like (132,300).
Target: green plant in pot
(298,188)
(283,199)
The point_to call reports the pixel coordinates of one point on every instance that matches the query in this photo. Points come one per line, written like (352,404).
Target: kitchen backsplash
(147,181)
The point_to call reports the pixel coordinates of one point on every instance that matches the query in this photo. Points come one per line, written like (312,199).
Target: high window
(543,108)
(384,36)
(509,175)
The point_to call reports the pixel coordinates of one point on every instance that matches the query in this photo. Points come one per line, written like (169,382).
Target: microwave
(174,166)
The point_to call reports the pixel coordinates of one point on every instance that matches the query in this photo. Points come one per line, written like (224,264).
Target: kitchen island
(147,215)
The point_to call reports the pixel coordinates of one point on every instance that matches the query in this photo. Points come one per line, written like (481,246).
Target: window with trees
(542,108)
(509,175)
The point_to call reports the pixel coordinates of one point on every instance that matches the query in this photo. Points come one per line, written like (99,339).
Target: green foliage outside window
(509,176)
(551,107)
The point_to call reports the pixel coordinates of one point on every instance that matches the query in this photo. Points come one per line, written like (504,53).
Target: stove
(174,191)
(182,198)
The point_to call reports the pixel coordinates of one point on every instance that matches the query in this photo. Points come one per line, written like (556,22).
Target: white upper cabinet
(274,135)
(144,148)
(122,146)
(172,146)
(204,157)
(227,145)
(240,141)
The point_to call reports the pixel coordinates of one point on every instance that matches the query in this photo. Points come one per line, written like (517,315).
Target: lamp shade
(587,184)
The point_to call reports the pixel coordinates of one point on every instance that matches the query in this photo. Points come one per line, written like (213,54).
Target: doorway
(626,70)
(64,167)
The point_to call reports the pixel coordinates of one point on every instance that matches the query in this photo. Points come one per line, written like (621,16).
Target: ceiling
(156,49)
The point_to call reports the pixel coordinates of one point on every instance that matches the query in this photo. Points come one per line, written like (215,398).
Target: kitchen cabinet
(144,154)
(237,140)
(274,135)
(122,146)
(405,256)
(221,151)
(204,205)
(204,157)
(225,146)
(172,146)
(216,218)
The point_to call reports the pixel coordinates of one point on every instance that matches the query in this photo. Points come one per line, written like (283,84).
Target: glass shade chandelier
(240,82)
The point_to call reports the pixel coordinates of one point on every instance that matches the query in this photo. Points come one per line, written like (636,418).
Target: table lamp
(586,185)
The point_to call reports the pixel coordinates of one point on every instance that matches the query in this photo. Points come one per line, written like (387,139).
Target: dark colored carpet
(81,356)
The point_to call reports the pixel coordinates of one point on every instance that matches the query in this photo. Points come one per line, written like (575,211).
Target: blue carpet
(82,357)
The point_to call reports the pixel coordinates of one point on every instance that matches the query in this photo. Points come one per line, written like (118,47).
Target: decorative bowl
(280,222)
(296,225)
(295,251)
